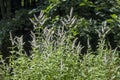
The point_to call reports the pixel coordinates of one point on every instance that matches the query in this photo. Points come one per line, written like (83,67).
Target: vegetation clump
(56,54)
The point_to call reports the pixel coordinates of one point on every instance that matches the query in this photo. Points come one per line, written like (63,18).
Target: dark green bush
(93,12)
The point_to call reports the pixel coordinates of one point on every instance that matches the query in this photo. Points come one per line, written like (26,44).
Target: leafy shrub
(55,56)
(93,14)
(18,25)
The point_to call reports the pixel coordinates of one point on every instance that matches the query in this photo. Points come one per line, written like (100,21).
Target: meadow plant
(55,57)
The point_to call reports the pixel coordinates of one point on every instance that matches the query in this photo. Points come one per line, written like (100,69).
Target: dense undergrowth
(56,56)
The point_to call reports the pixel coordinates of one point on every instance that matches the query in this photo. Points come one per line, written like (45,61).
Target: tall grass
(55,57)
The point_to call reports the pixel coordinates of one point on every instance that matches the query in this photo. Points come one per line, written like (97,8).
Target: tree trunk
(27,4)
(33,3)
(8,8)
(2,7)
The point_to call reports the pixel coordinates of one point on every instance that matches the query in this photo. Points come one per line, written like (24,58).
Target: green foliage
(91,14)
(19,22)
(21,19)
(56,50)
(54,56)
(5,28)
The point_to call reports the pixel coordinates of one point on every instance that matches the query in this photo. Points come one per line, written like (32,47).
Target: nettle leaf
(114,16)
(86,3)
(82,4)
(110,20)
